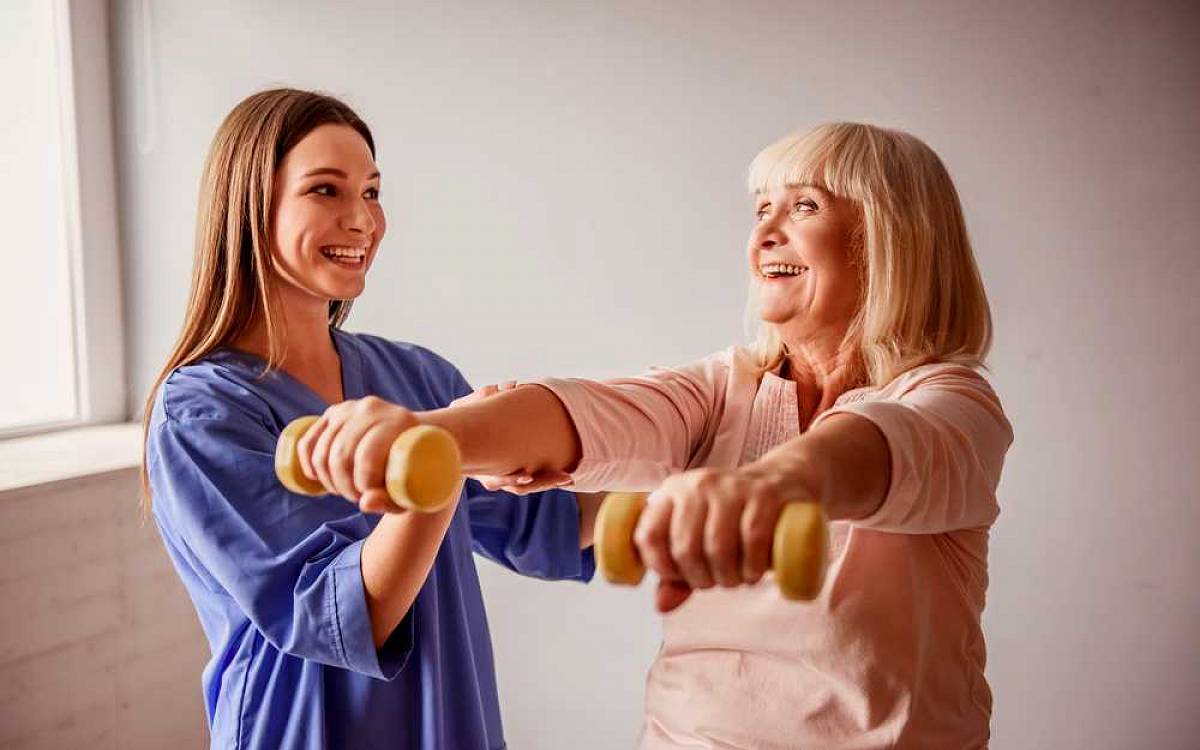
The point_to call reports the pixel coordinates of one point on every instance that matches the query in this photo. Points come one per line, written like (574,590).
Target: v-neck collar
(349,360)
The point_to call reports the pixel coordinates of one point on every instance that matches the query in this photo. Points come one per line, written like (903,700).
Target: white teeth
(771,270)
(352,253)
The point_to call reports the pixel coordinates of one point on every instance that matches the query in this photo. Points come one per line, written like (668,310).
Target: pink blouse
(891,654)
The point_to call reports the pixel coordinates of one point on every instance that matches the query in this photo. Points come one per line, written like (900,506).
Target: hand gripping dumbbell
(424,466)
(797,553)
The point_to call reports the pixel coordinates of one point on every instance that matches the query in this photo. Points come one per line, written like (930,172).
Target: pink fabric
(891,654)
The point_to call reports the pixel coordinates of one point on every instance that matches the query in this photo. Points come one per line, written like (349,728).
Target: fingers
(757,530)
(540,482)
(524,483)
(651,537)
(475,395)
(377,500)
(319,452)
(370,457)
(305,444)
(670,594)
(707,527)
(344,449)
(687,540)
(483,392)
(722,538)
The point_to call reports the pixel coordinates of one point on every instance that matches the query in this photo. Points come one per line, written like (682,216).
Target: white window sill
(53,457)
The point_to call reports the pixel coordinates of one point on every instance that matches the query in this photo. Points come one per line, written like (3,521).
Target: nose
(358,217)
(768,235)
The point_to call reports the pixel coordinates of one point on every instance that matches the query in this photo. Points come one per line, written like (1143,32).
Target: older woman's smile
(780,270)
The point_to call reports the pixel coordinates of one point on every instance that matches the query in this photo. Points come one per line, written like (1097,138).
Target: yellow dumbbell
(424,466)
(797,553)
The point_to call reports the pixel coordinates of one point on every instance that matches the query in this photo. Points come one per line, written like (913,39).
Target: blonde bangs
(834,157)
(923,298)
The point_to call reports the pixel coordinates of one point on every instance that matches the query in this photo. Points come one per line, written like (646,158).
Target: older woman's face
(802,260)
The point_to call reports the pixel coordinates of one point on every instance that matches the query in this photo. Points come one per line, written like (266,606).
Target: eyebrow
(761,195)
(336,173)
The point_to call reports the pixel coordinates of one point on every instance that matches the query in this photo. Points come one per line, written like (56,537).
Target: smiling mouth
(780,270)
(347,257)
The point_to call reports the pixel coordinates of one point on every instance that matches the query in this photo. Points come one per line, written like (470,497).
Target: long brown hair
(232,270)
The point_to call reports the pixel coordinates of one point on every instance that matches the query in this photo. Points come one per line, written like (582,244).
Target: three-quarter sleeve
(947,436)
(288,562)
(535,535)
(635,432)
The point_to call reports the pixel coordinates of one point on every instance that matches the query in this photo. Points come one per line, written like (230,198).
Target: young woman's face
(802,260)
(327,221)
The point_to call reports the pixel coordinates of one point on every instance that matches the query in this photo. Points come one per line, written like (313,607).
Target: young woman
(328,627)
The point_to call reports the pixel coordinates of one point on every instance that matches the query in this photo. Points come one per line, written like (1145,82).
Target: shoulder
(413,363)
(402,354)
(948,387)
(222,386)
(715,367)
(936,375)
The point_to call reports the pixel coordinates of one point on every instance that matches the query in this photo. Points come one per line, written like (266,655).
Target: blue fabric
(275,576)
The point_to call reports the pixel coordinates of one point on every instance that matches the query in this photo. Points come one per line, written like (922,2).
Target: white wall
(99,646)
(564,185)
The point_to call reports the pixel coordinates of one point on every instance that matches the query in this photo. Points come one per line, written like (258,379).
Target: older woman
(862,392)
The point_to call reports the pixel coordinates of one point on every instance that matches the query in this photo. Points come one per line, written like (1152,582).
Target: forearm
(844,463)
(523,430)
(589,507)
(396,559)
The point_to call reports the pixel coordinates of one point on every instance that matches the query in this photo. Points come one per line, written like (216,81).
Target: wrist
(791,476)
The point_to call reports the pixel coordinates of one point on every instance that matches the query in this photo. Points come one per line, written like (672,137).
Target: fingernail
(524,480)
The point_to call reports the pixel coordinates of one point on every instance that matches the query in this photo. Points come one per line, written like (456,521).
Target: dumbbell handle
(797,553)
(424,466)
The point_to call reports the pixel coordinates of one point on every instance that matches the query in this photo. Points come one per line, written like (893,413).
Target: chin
(342,291)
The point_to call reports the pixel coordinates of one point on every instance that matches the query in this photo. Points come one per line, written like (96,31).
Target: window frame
(90,230)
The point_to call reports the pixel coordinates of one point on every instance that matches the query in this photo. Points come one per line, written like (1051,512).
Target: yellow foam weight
(798,552)
(616,556)
(287,462)
(424,468)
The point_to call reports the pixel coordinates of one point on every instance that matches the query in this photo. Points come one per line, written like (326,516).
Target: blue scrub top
(275,576)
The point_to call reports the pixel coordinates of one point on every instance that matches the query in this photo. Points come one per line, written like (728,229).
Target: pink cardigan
(891,654)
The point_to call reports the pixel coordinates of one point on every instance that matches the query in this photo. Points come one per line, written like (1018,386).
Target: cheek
(290,226)
(380,222)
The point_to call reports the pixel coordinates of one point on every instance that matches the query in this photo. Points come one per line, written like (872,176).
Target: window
(59,292)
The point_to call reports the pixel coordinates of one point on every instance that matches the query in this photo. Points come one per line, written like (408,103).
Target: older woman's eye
(327,190)
(804,205)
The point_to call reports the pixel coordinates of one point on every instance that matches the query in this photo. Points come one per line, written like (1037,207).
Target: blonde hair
(232,269)
(923,299)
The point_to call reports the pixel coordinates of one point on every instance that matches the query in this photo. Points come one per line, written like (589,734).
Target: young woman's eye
(327,190)
(371,194)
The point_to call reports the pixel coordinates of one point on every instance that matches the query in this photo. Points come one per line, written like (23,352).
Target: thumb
(671,594)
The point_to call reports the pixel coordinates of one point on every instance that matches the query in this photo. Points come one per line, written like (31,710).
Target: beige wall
(99,645)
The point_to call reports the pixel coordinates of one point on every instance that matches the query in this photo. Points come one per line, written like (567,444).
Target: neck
(309,354)
(822,371)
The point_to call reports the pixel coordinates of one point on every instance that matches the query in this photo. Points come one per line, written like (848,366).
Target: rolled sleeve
(350,622)
(947,437)
(536,535)
(291,564)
